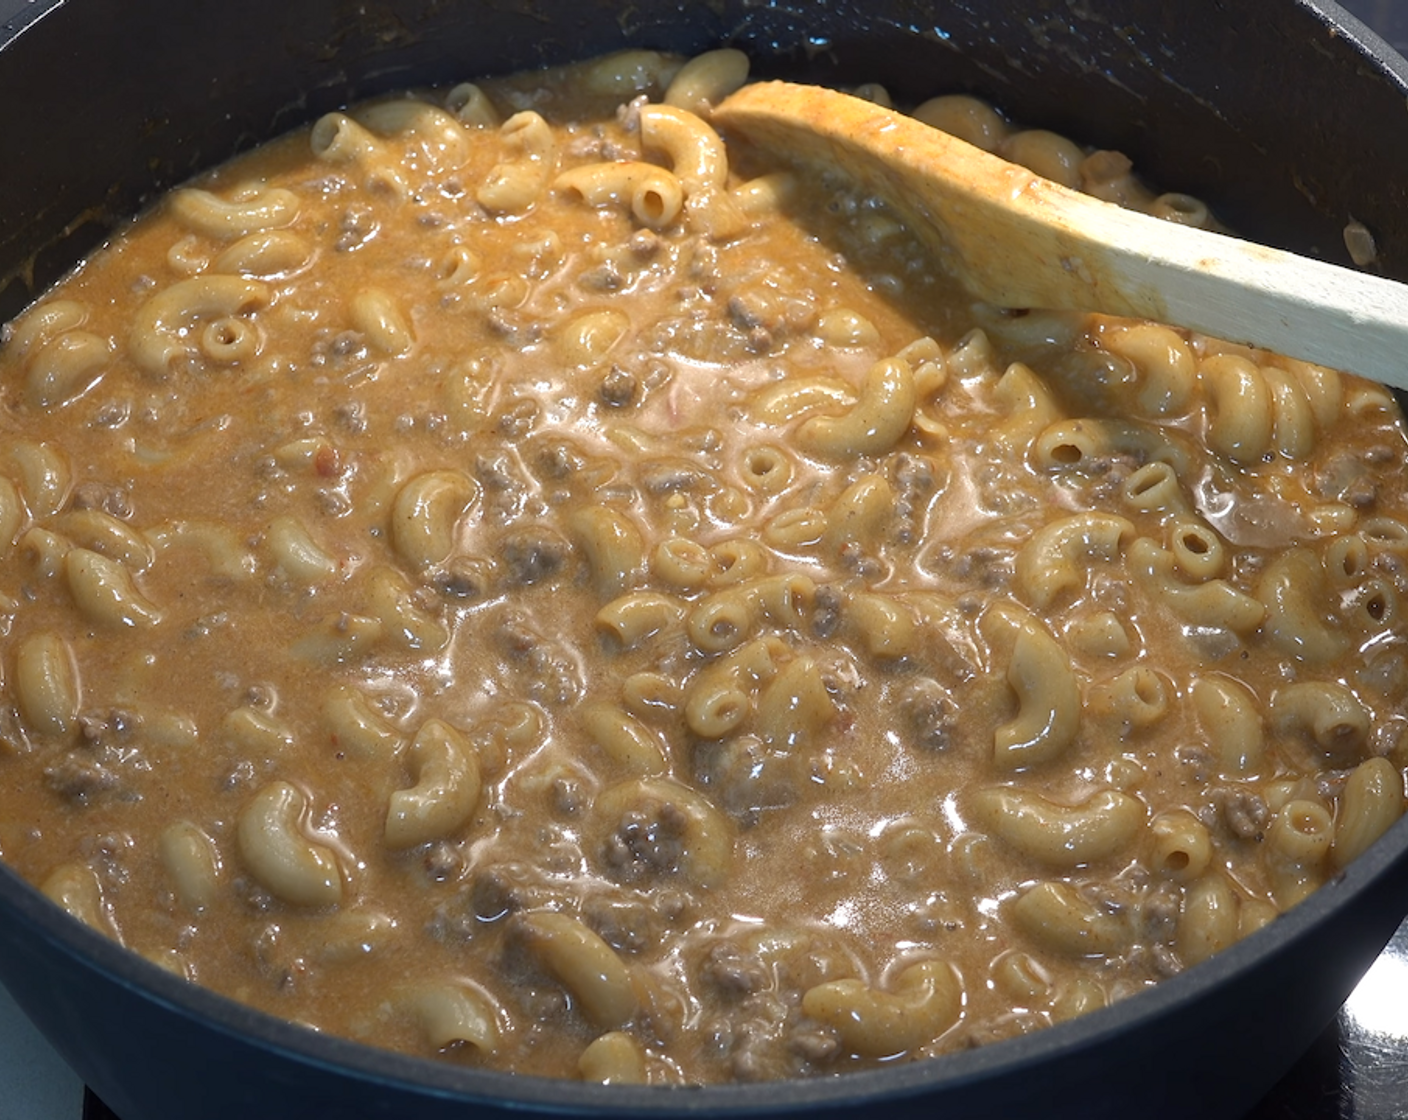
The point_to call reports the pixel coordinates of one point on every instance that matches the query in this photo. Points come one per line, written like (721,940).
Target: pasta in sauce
(503,575)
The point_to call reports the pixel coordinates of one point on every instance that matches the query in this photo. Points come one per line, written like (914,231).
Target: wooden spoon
(1016,240)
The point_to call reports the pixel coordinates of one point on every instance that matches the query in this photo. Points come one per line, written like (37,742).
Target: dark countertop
(1358,1068)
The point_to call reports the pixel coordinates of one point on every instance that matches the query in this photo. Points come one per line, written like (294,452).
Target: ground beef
(518,419)
(516,637)
(109,855)
(515,329)
(506,888)
(342,350)
(557,460)
(989,567)
(1345,477)
(1159,913)
(278,961)
(80,776)
(929,713)
(505,487)
(1245,814)
(103,762)
(860,563)
(916,480)
(645,244)
(633,924)
(556,678)
(669,476)
(355,227)
(826,611)
(1196,762)
(746,776)
(751,1057)
(463,578)
(628,115)
(553,675)
(332,502)
(569,796)
(733,970)
(1003,1027)
(1164,960)
(442,860)
(112,725)
(534,555)
(647,842)
(604,277)
(619,387)
(542,1006)
(814,1045)
(112,500)
(351,416)
(766,314)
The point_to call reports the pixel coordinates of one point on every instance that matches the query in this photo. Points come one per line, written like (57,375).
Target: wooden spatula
(1016,240)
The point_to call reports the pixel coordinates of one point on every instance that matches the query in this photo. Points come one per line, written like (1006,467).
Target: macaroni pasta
(512,574)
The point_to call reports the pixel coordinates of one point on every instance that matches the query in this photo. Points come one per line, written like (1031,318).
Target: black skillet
(1287,116)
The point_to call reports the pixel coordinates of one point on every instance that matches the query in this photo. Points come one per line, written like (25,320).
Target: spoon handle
(1016,240)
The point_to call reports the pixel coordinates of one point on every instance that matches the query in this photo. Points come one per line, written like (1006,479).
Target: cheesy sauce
(511,575)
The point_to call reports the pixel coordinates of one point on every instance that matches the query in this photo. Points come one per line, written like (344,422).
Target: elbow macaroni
(515,574)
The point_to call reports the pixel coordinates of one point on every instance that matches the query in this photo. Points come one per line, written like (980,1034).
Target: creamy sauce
(491,622)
